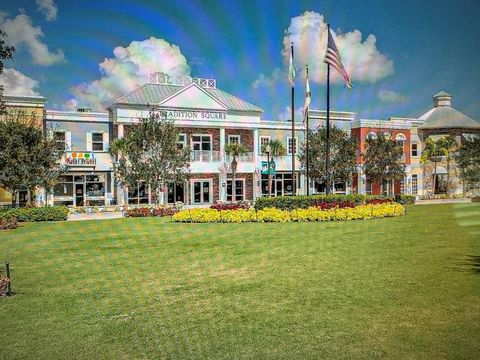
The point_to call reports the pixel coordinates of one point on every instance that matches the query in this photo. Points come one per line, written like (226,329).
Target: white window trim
(98,142)
(211,141)
(294,143)
(184,142)
(260,142)
(65,144)
(244,187)
(234,136)
(411,148)
(192,194)
(400,137)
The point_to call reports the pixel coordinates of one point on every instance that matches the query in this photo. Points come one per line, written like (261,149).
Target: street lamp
(267,151)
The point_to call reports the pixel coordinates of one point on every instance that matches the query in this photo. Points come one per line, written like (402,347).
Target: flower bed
(147,211)
(360,212)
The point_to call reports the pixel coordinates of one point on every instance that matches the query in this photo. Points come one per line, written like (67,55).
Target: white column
(256,160)
(222,144)
(120,131)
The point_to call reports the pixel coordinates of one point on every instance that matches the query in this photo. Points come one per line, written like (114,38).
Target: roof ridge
(236,97)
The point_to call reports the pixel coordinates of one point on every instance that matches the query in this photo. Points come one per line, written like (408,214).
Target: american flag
(332,57)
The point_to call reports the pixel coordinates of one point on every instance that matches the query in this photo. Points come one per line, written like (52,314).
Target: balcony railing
(205,155)
(248,157)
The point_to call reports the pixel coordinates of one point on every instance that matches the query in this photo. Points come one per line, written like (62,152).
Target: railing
(205,155)
(248,157)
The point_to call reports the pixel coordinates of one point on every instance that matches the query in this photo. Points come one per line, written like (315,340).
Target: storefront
(281,184)
(82,189)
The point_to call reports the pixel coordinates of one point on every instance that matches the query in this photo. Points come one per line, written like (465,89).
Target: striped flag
(332,57)
(308,98)
(291,70)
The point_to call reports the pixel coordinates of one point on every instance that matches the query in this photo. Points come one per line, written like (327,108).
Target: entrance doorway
(440,184)
(201,192)
(79,194)
(176,193)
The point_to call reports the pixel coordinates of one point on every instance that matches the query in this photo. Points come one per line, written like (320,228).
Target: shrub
(146,211)
(306,201)
(476,199)
(232,206)
(8,223)
(31,214)
(280,215)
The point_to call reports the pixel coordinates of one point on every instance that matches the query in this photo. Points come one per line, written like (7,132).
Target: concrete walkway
(443,201)
(95,216)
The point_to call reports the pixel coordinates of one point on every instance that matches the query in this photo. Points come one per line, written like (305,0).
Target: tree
(277,149)
(343,154)
(6,52)
(450,145)
(468,160)
(433,152)
(28,159)
(150,154)
(234,150)
(383,159)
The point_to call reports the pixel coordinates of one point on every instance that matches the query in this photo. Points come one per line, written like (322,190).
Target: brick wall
(246,137)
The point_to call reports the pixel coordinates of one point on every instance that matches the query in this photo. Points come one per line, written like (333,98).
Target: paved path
(95,216)
(443,201)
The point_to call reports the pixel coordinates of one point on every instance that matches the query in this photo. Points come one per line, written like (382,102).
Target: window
(264,140)
(138,194)
(239,190)
(201,191)
(414,149)
(95,185)
(368,187)
(414,184)
(387,135)
(182,141)
(371,136)
(402,186)
(201,142)
(60,140)
(97,141)
(234,139)
(292,146)
(400,139)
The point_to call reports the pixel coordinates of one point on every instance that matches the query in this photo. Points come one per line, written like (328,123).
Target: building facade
(208,119)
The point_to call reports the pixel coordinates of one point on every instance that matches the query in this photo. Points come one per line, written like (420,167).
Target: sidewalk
(95,216)
(443,201)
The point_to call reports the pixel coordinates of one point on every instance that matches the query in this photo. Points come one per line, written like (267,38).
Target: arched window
(371,135)
(400,139)
(387,135)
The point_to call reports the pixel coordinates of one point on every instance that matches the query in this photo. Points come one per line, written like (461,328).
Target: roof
(446,117)
(149,94)
(441,93)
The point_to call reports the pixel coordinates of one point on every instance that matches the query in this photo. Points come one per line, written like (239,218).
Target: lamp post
(267,150)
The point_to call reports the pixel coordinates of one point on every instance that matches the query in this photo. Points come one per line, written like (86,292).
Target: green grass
(144,288)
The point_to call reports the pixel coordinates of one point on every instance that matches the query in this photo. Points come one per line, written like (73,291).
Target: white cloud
(286,114)
(361,58)
(265,80)
(129,69)
(390,96)
(49,8)
(20,30)
(16,83)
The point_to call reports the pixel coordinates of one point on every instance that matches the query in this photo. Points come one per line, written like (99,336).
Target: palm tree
(433,151)
(277,149)
(450,145)
(117,150)
(234,150)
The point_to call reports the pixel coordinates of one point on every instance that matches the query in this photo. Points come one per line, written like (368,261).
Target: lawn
(144,288)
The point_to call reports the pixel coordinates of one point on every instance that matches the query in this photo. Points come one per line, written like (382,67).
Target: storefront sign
(265,167)
(80,159)
(195,115)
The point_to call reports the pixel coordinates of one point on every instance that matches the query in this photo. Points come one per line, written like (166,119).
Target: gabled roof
(446,117)
(150,94)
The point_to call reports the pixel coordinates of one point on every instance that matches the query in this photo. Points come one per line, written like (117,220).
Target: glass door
(201,192)
(79,194)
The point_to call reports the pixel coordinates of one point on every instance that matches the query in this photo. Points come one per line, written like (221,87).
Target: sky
(397,53)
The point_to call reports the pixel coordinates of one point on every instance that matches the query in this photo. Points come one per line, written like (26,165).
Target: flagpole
(306,139)
(327,143)
(294,144)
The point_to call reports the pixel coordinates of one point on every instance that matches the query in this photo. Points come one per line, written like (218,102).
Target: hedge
(145,212)
(31,214)
(325,201)
(360,212)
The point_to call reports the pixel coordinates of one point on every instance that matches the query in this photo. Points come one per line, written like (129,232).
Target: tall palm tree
(277,149)
(433,151)
(450,145)
(234,150)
